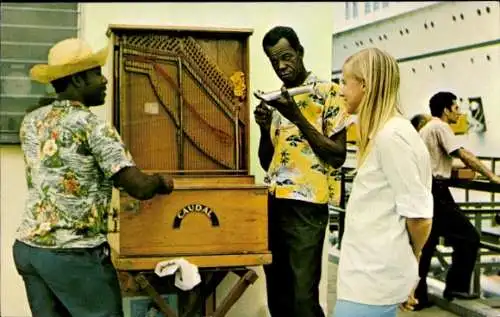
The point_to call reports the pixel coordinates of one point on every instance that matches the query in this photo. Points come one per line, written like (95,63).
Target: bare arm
(330,150)
(263,117)
(419,230)
(448,141)
(474,163)
(409,176)
(117,164)
(140,185)
(266,148)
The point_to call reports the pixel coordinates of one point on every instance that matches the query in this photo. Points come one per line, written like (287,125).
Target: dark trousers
(72,282)
(449,222)
(296,236)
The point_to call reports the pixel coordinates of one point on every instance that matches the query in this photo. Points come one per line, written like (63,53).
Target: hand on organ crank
(167,184)
(284,104)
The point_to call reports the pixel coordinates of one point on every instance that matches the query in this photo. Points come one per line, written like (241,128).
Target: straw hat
(68,57)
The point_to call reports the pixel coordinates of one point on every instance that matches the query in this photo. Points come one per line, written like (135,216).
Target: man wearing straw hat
(72,160)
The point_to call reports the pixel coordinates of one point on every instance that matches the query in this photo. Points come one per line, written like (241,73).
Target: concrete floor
(332,295)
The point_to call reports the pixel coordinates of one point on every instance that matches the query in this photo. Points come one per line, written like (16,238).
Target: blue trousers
(69,282)
(345,308)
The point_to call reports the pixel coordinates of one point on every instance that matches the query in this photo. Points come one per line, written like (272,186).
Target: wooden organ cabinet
(180,104)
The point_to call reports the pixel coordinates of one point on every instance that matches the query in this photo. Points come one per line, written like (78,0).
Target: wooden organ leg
(144,284)
(204,293)
(190,301)
(207,293)
(213,279)
(247,277)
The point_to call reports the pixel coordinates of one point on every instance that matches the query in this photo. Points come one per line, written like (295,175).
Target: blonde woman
(388,216)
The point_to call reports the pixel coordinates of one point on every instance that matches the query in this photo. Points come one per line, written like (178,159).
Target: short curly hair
(440,101)
(277,33)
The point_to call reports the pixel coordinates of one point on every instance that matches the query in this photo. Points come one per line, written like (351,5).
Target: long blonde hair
(379,72)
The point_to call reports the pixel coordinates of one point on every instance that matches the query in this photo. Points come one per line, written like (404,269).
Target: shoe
(450,295)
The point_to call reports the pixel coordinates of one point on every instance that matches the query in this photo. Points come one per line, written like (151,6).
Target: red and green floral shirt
(70,156)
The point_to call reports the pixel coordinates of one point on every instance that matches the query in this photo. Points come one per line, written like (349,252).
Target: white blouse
(377,265)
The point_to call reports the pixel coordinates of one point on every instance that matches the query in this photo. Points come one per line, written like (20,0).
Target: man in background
(418,121)
(449,221)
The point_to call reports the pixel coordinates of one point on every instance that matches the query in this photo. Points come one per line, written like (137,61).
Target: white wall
(12,191)
(459,75)
(313,23)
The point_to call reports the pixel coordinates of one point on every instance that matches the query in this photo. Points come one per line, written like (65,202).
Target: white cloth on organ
(186,274)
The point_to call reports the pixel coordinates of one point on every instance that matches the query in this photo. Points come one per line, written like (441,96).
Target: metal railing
(478,212)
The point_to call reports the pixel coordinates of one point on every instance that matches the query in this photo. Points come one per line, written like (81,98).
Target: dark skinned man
(73,159)
(303,141)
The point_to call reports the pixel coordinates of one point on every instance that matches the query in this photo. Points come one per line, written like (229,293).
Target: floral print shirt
(70,155)
(295,171)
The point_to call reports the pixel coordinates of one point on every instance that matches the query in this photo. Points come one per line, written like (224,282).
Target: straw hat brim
(45,73)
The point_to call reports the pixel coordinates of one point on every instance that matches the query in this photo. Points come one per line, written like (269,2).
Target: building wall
(313,23)
(349,15)
(432,58)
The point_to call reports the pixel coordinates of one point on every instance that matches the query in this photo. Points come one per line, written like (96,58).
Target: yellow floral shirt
(295,171)
(70,155)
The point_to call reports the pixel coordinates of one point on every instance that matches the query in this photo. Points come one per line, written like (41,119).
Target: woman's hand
(409,304)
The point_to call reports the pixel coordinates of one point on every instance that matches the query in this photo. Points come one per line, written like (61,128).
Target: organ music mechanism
(180,104)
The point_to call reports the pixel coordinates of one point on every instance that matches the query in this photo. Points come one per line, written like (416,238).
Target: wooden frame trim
(117,30)
(202,261)
(195,29)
